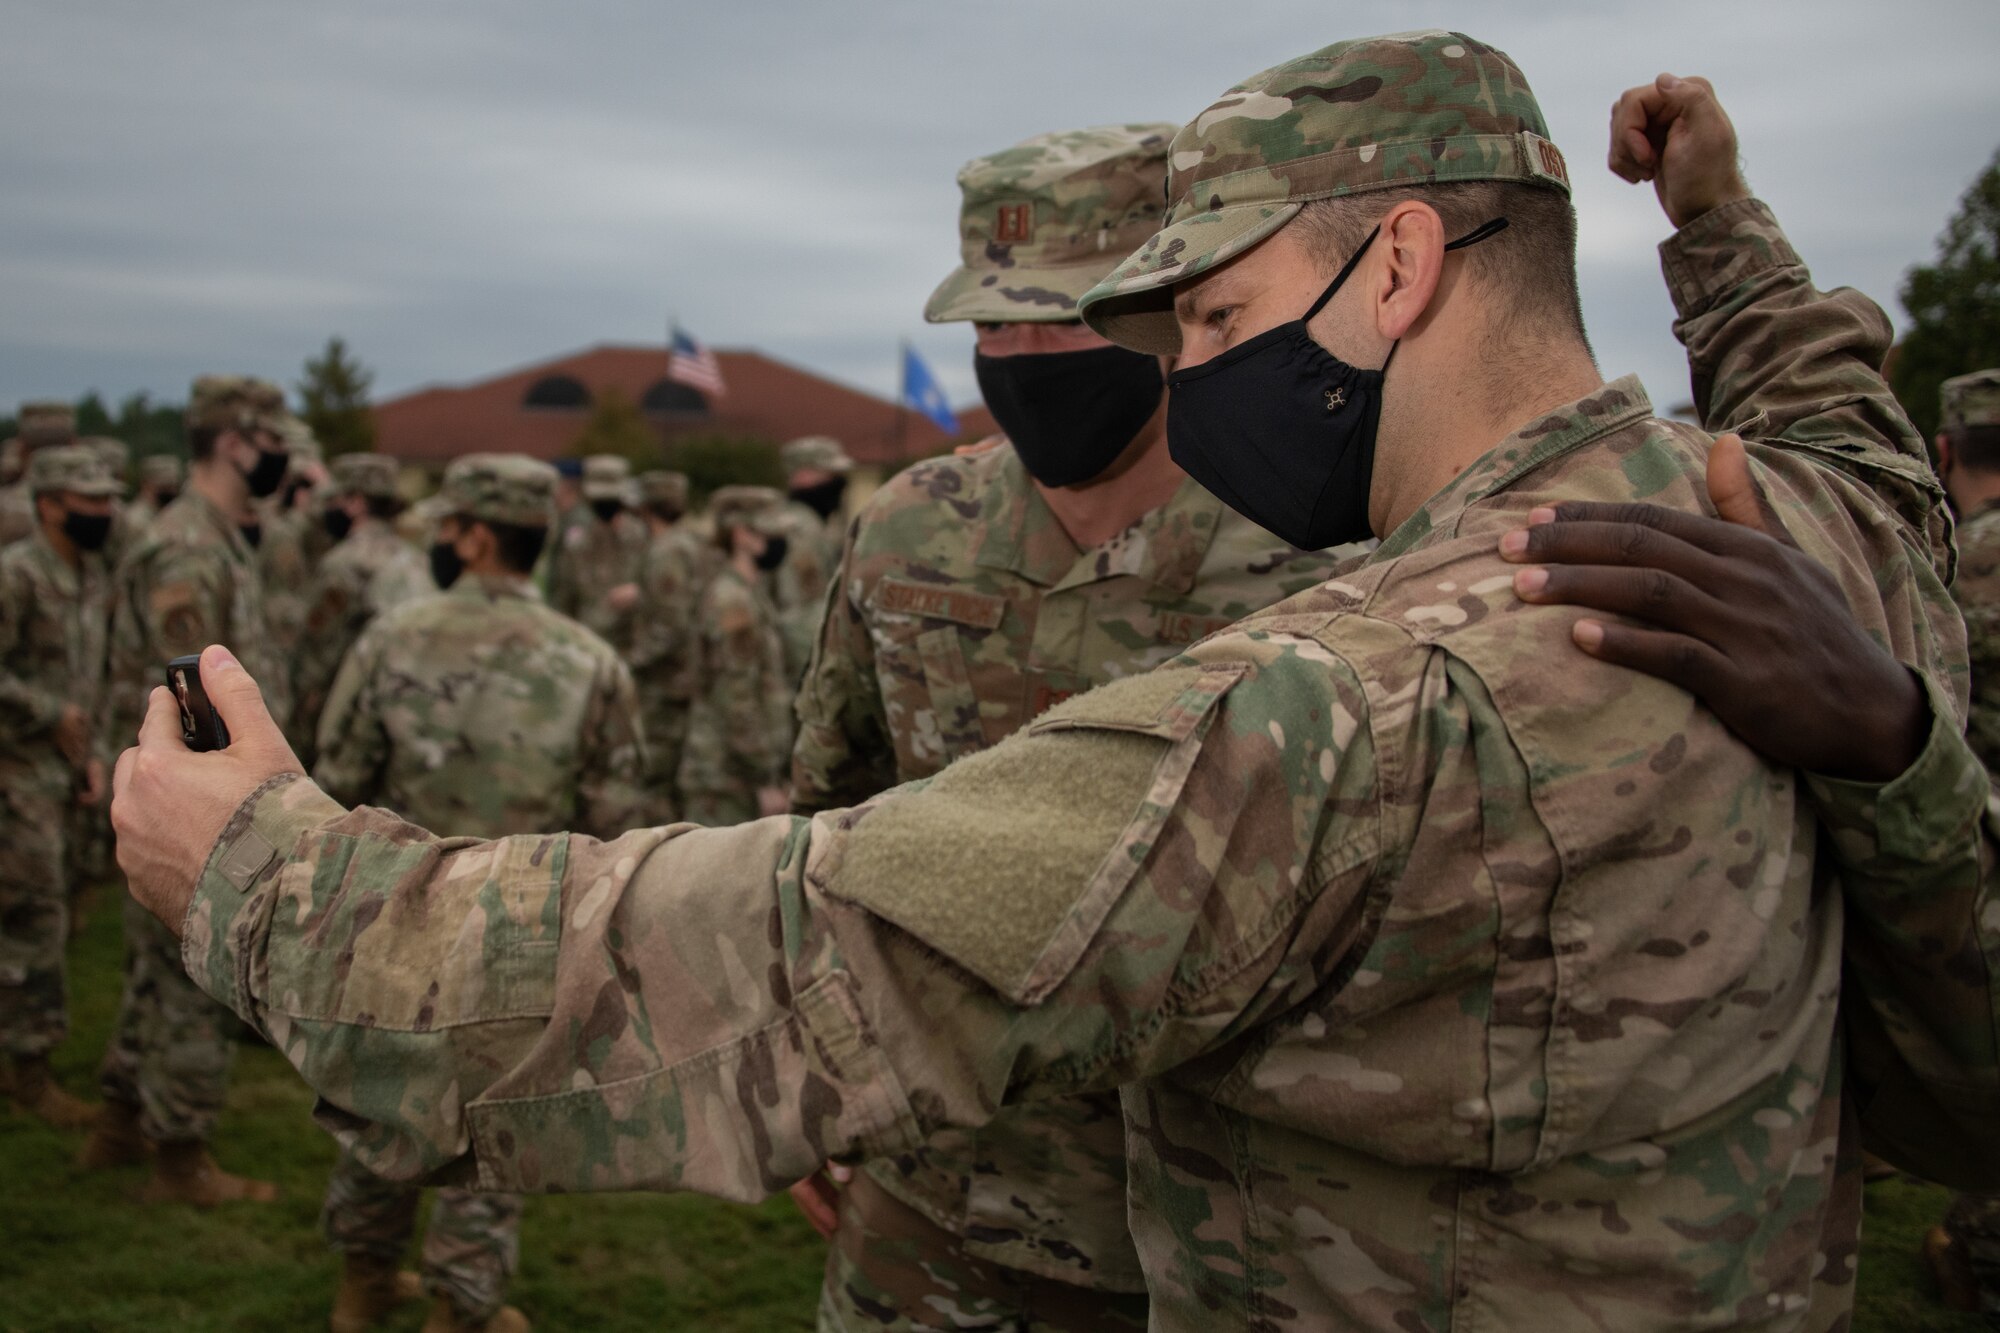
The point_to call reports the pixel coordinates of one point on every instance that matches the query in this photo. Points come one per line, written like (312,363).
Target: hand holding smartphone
(201,726)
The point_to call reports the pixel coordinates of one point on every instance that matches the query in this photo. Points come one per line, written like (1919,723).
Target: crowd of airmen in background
(532,646)
(529,650)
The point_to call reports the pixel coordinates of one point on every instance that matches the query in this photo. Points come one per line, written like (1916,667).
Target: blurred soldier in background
(369,570)
(159,482)
(663,634)
(1965,1251)
(816,469)
(479,709)
(191,581)
(977,590)
(739,721)
(54,617)
(290,540)
(39,425)
(601,554)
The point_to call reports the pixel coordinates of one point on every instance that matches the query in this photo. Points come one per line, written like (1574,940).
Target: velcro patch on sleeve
(961,607)
(1009,861)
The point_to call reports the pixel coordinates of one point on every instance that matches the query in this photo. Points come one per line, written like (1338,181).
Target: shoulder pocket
(1008,862)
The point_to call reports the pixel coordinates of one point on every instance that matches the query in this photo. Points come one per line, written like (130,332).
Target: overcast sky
(461,188)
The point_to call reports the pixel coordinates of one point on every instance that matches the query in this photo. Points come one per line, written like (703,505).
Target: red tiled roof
(767,398)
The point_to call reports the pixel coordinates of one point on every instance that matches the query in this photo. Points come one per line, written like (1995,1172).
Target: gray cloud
(460,187)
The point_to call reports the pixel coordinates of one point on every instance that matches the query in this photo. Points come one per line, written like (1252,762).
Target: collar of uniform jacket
(1551,435)
(494,587)
(1019,533)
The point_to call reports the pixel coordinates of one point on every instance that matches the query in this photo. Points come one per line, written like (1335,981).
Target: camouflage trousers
(472,1247)
(666,736)
(171,1052)
(34,921)
(1973,1220)
(890,1267)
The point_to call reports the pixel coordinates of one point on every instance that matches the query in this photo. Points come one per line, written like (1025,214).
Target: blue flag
(921,391)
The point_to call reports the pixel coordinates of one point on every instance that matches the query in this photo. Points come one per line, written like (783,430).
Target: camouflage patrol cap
(372,475)
(76,468)
(501,488)
(1970,400)
(45,422)
(160,470)
(237,402)
(117,455)
(759,508)
(1043,221)
(821,452)
(664,488)
(1372,114)
(607,477)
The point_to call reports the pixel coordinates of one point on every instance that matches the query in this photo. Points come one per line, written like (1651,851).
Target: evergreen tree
(617,426)
(1954,304)
(334,398)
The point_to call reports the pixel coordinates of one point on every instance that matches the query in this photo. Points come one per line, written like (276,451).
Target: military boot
(185,1173)
(445,1318)
(36,1091)
(370,1289)
(115,1139)
(1958,1287)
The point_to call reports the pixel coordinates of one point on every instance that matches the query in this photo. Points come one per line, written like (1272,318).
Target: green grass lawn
(76,1254)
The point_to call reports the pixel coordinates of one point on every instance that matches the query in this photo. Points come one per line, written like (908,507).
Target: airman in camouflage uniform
(191,581)
(160,479)
(37,426)
(432,715)
(55,611)
(1965,1251)
(816,468)
(593,578)
(965,610)
(739,726)
(368,571)
(662,657)
(290,540)
(1448,977)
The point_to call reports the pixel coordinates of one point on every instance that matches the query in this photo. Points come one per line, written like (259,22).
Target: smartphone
(201,727)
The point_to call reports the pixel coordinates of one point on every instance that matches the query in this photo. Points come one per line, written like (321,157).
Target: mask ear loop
(1483,231)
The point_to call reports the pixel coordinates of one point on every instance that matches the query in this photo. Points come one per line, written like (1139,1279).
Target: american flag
(689,363)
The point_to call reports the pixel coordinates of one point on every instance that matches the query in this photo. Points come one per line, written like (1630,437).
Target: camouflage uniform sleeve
(666,601)
(25,708)
(1772,357)
(1139,875)
(610,785)
(1921,989)
(336,610)
(352,751)
(843,754)
(736,662)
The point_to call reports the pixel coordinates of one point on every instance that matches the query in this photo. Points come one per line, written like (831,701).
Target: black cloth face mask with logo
(773,553)
(1070,414)
(1283,431)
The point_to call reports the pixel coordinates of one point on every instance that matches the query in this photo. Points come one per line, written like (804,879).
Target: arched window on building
(672,398)
(557,391)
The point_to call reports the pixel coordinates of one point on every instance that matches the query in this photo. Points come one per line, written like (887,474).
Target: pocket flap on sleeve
(1008,862)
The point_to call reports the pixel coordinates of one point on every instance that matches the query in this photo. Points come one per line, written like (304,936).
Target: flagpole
(902,398)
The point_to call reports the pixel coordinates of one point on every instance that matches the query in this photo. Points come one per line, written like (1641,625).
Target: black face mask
(88,531)
(338,523)
(166,498)
(774,553)
(269,473)
(446,565)
(823,499)
(1070,414)
(606,509)
(252,533)
(1283,431)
